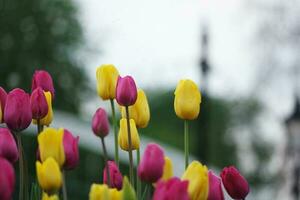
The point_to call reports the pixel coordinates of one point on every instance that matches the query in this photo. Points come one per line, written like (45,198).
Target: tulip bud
(3,96)
(168,169)
(49,175)
(47,120)
(197,175)
(128,191)
(215,187)
(174,189)
(139,111)
(107,76)
(99,192)
(71,150)
(235,184)
(116,179)
(43,79)
(39,106)
(151,166)
(17,112)
(51,145)
(8,147)
(187,100)
(100,124)
(123,135)
(50,197)
(7,179)
(126,92)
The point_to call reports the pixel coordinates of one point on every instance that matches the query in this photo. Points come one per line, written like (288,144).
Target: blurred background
(242,53)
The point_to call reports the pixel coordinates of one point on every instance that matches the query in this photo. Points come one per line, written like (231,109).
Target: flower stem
(39,126)
(130,148)
(64,189)
(106,161)
(145,194)
(115,131)
(21,167)
(186,143)
(138,182)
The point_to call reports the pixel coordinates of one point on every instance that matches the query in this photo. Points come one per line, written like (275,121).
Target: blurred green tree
(42,34)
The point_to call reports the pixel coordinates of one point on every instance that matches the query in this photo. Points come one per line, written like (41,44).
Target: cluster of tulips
(57,149)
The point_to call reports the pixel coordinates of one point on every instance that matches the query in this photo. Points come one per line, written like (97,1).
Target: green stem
(145,194)
(106,162)
(21,167)
(138,182)
(64,189)
(186,143)
(115,131)
(39,126)
(130,148)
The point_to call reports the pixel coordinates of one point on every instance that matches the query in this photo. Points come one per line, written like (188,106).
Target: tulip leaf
(128,191)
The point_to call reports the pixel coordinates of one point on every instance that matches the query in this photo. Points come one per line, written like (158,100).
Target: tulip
(17,111)
(139,111)
(197,175)
(39,106)
(51,145)
(187,100)
(128,191)
(50,197)
(168,169)
(215,187)
(7,179)
(126,91)
(173,189)
(235,184)
(115,194)
(43,79)
(46,121)
(151,166)
(107,76)
(8,147)
(100,124)
(3,96)
(116,179)
(99,192)
(71,150)
(123,136)
(49,175)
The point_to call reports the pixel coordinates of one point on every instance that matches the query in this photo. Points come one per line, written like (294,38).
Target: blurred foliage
(42,34)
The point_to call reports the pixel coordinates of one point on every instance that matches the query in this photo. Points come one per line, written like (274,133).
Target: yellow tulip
(187,100)
(107,76)
(47,120)
(52,197)
(114,194)
(51,145)
(123,135)
(197,175)
(99,192)
(139,111)
(49,175)
(168,169)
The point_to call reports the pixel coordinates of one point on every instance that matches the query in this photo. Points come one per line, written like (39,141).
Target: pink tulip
(173,189)
(71,150)
(3,96)
(151,166)
(100,124)
(8,147)
(17,112)
(215,187)
(235,184)
(39,106)
(43,79)
(116,179)
(7,179)
(126,92)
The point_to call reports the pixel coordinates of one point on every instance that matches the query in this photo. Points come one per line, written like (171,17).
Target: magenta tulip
(43,79)
(17,112)
(151,166)
(7,179)
(3,96)
(8,146)
(116,179)
(235,184)
(126,91)
(215,187)
(173,189)
(100,124)
(39,106)
(71,150)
